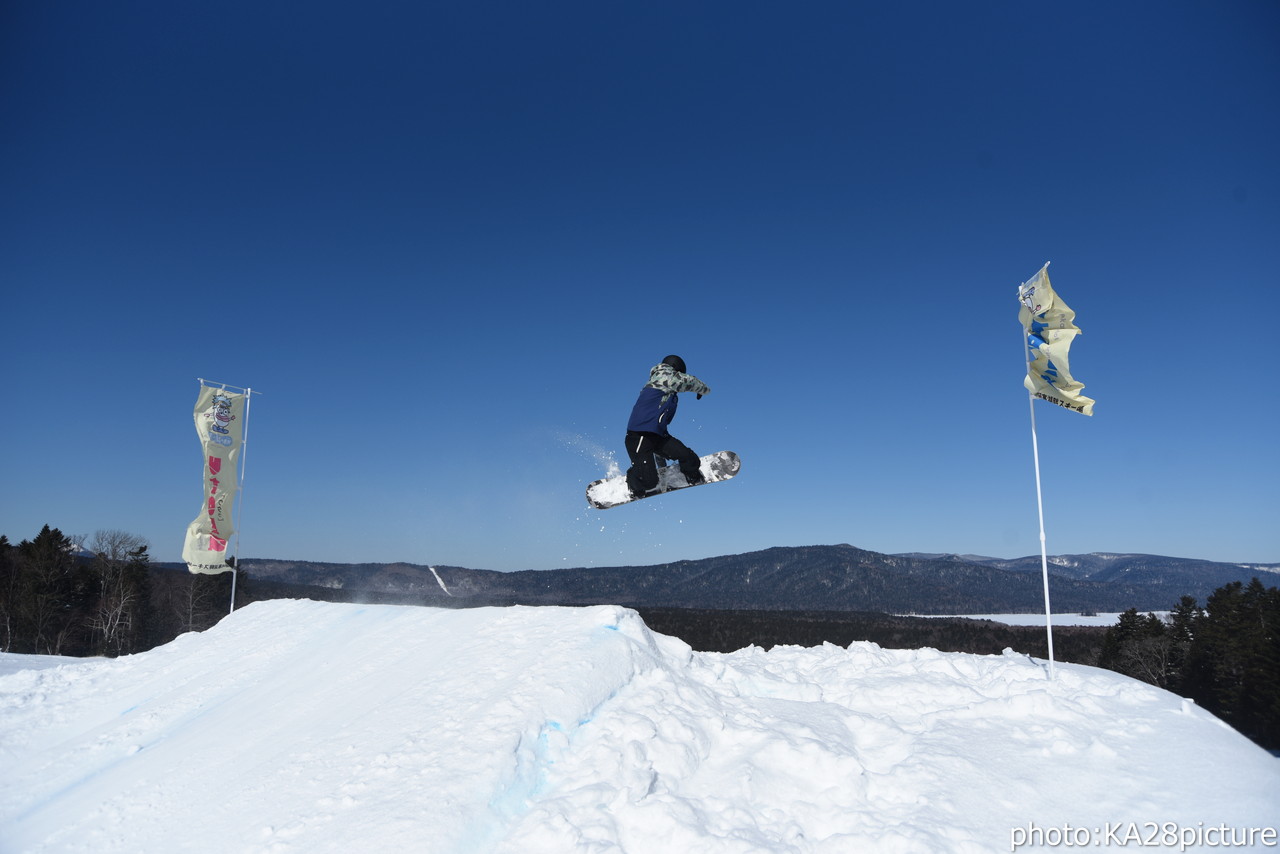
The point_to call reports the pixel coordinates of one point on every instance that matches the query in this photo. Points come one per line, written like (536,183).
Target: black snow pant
(645,450)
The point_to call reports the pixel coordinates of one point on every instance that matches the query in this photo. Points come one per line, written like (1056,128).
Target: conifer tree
(1258,698)
(54,592)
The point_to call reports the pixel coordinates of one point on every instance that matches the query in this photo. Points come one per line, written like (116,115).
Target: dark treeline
(99,597)
(53,601)
(725,631)
(1225,656)
(102,596)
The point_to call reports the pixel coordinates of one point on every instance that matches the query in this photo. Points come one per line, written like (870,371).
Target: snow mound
(298,726)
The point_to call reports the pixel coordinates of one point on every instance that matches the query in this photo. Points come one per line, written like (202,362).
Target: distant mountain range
(1134,568)
(801,578)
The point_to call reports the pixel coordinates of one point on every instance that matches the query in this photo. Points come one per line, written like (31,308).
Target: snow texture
(299,726)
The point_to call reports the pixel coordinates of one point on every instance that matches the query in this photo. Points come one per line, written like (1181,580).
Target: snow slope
(297,726)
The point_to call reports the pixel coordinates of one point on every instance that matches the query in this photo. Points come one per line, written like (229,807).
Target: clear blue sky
(447,242)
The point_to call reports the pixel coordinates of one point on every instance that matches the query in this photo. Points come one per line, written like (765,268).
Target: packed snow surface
(298,726)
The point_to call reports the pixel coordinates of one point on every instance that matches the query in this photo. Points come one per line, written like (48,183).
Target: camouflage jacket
(656,406)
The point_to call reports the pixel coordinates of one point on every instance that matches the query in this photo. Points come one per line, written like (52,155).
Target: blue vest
(653,411)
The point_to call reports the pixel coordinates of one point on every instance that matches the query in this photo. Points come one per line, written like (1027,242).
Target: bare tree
(1149,659)
(116,545)
(8,593)
(189,602)
(121,570)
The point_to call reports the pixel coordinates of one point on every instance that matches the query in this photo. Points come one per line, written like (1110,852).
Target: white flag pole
(244,453)
(1044,554)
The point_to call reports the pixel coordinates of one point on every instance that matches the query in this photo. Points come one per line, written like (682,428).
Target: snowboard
(612,491)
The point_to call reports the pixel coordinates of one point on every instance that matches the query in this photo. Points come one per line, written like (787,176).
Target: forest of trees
(1225,656)
(100,595)
(726,631)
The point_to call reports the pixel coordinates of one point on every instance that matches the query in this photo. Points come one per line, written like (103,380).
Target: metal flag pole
(1044,554)
(244,454)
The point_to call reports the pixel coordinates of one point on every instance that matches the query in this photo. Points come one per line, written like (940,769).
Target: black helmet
(675,362)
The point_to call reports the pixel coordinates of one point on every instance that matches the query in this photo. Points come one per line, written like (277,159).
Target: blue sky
(446,242)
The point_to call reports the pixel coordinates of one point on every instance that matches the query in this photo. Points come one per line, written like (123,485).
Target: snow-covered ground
(14,663)
(297,726)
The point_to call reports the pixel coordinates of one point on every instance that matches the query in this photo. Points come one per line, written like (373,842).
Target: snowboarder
(647,436)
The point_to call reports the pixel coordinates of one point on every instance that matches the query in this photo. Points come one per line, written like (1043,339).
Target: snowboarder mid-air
(647,436)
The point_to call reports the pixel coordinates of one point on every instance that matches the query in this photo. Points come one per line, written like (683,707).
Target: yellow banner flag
(219,417)
(1049,324)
